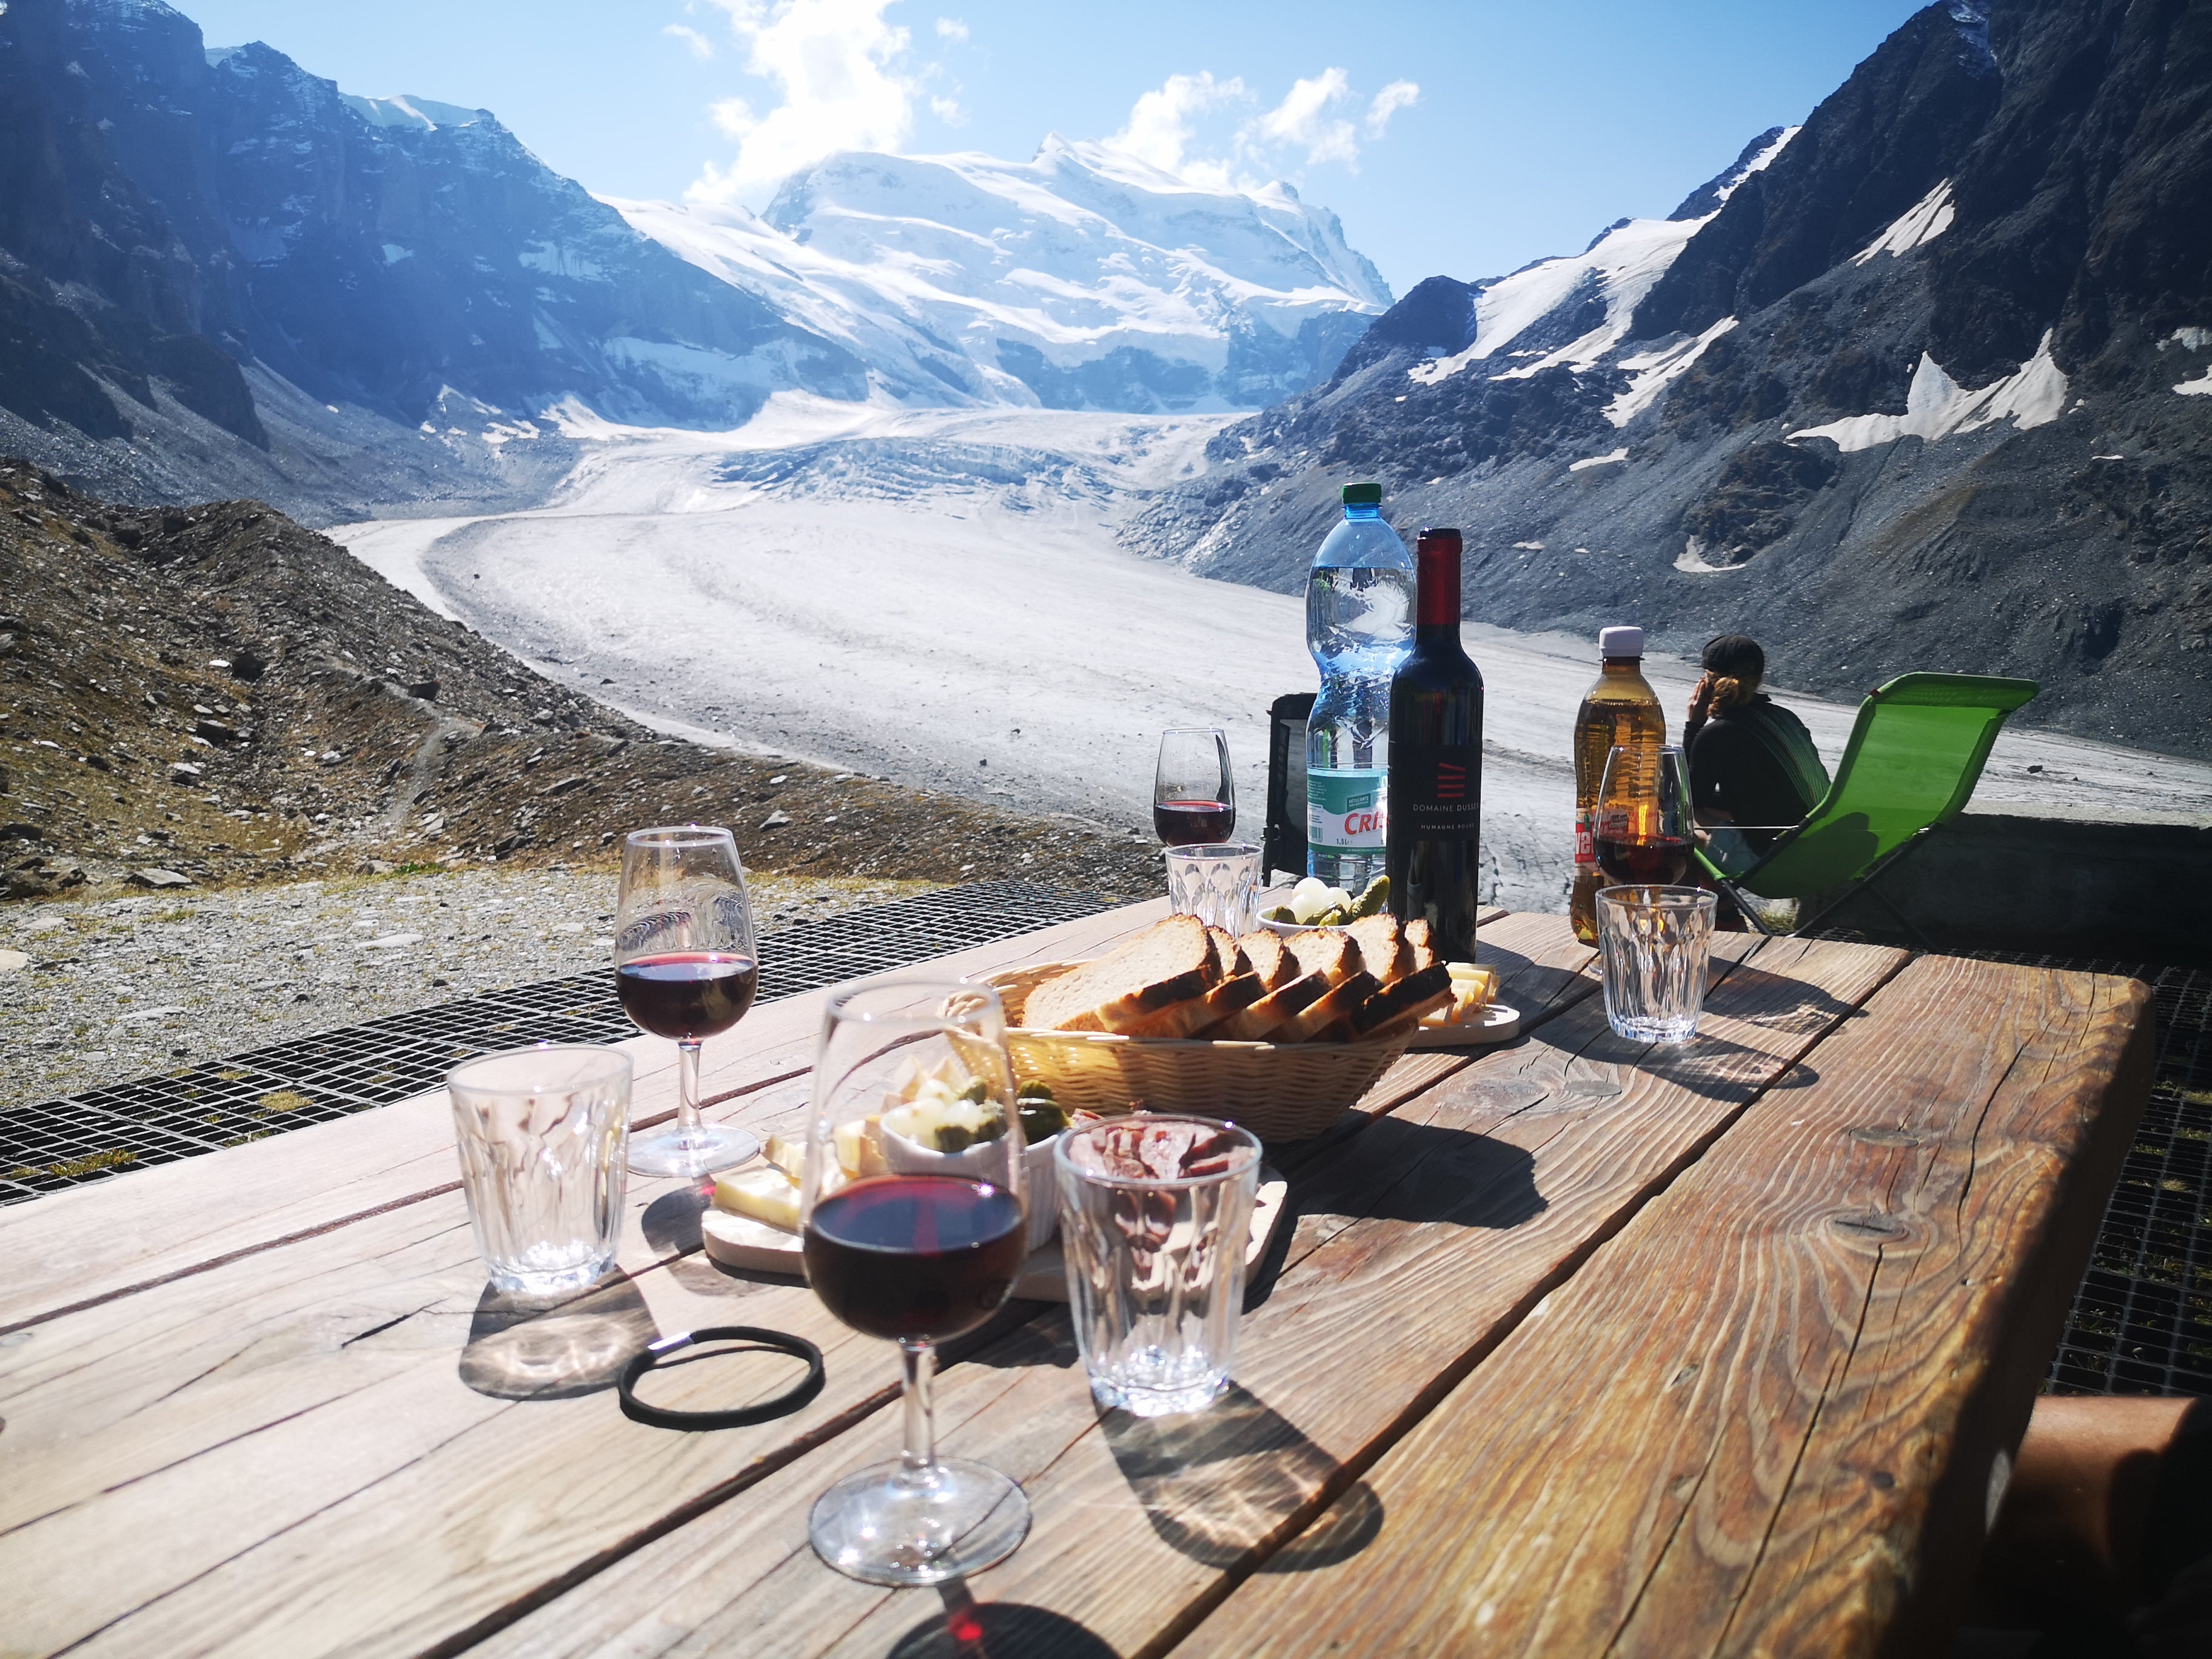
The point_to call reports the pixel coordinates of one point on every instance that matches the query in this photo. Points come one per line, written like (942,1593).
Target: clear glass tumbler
(541,1134)
(1218,882)
(1654,942)
(1156,1257)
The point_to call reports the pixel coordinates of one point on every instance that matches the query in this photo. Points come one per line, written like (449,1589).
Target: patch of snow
(1528,547)
(1937,405)
(2189,339)
(393,253)
(1919,224)
(423,115)
(2199,387)
(1625,263)
(1589,461)
(1649,372)
(1692,559)
(1760,162)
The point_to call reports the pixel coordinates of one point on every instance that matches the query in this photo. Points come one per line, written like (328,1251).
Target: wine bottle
(1434,851)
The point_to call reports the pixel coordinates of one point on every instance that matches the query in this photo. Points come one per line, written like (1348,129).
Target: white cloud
(1303,121)
(1162,123)
(951,28)
(835,65)
(948,111)
(1399,95)
(700,45)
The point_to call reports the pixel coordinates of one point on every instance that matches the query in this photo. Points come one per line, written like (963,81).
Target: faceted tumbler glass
(1155,1266)
(1218,882)
(1654,942)
(542,1133)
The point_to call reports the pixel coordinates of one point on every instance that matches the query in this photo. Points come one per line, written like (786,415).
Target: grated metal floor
(287,1085)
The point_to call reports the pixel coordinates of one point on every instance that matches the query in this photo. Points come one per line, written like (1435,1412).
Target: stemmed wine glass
(1644,817)
(1194,794)
(686,968)
(911,1210)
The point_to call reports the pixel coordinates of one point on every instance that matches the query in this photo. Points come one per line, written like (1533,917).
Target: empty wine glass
(686,968)
(1644,818)
(1194,794)
(911,1209)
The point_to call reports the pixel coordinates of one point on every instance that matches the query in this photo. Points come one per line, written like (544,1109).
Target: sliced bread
(1191,1017)
(1383,951)
(1422,943)
(1275,966)
(1328,1018)
(1328,951)
(1171,961)
(1259,1023)
(1401,1004)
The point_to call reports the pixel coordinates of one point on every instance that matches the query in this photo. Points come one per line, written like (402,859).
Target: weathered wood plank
(1764,1419)
(1427,1236)
(151,1224)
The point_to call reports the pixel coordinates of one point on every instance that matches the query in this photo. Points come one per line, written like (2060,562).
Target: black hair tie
(650,1357)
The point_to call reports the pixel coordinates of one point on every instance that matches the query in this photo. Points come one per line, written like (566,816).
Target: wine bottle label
(1585,840)
(1437,788)
(1344,809)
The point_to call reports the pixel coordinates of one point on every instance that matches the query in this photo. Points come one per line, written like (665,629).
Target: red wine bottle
(1433,854)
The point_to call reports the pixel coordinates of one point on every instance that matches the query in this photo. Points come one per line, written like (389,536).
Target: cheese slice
(766,1196)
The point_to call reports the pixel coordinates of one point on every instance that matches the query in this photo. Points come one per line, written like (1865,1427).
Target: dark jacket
(1757,764)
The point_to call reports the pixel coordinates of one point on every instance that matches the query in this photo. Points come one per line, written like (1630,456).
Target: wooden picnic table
(1576,1346)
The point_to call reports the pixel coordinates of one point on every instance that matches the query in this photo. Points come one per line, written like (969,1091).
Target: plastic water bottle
(1359,624)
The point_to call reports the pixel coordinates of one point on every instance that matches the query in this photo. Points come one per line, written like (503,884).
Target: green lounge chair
(1914,757)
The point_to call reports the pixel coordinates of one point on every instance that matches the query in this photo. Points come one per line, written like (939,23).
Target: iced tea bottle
(1622,710)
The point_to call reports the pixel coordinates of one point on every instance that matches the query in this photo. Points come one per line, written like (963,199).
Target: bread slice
(1275,966)
(1383,951)
(1402,1003)
(1190,1018)
(1258,1023)
(1171,961)
(1422,943)
(1328,1017)
(1328,951)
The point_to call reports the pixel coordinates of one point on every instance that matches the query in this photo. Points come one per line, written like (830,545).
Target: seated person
(1752,762)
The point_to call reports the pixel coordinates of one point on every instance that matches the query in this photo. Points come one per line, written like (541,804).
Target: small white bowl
(978,1163)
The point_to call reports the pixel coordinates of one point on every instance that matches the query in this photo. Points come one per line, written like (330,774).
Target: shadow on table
(1403,1171)
(1784,1004)
(1530,986)
(671,1226)
(968,1629)
(554,1348)
(1217,1484)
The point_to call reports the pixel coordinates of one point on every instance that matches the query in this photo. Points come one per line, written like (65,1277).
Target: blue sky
(1461,136)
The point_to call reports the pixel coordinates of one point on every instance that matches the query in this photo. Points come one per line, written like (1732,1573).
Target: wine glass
(911,1210)
(1193,794)
(686,968)
(1644,817)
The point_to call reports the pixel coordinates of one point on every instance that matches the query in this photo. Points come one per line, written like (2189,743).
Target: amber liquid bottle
(1620,710)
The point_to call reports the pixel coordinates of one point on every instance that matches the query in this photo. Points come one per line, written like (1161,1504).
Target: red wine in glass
(687,996)
(915,1258)
(1643,863)
(1193,822)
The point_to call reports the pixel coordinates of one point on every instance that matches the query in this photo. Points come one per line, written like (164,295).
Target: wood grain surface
(1746,1425)
(318,1432)
(1422,1238)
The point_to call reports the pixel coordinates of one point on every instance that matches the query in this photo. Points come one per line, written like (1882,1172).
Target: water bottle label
(1585,842)
(1344,810)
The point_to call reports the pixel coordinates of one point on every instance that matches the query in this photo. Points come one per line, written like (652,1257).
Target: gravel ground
(98,992)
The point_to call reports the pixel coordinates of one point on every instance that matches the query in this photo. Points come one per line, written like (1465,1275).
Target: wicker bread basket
(1279,1091)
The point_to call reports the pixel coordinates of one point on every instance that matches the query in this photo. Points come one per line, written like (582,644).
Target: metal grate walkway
(287,1086)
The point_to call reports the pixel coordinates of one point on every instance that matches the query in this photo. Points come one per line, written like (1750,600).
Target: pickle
(1372,899)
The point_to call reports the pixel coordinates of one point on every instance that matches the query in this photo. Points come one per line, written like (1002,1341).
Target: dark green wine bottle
(1433,846)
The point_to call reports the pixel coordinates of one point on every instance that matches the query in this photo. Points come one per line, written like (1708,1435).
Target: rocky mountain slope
(1082,279)
(217,270)
(1922,383)
(215,694)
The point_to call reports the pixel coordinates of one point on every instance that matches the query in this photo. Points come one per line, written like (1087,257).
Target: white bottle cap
(1620,642)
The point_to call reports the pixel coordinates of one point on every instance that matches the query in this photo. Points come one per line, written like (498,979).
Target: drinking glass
(1643,816)
(1217,882)
(915,1244)
(686,968)
(540,1131)
(1155,1256)
(1654,942)
(1193,794)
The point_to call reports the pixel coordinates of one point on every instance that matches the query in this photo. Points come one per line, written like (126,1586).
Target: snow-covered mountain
(1083,279)
(1919,385)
